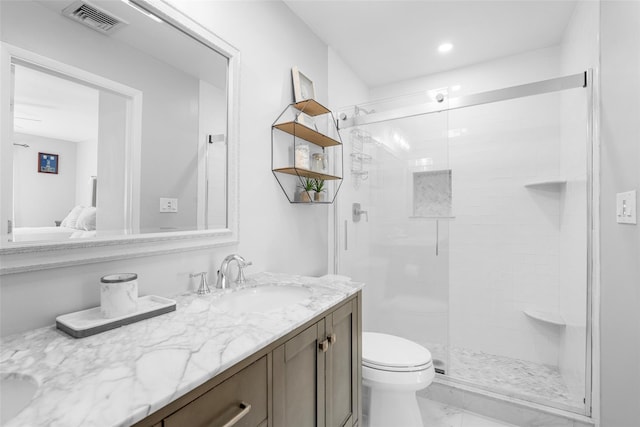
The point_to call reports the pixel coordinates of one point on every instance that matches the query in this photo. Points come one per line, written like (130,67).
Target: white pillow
(87,219)
(71,219)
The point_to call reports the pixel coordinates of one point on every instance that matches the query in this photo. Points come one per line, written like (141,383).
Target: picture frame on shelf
(303,87)
(48,163)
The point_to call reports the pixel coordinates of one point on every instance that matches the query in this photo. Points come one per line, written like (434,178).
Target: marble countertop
(118,377)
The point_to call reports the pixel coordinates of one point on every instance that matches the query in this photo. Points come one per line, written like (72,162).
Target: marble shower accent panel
(432,194)
(118,377)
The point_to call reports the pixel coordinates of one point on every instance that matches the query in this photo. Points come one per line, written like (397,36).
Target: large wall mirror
(117,129)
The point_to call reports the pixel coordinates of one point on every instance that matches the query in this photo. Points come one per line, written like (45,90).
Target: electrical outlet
(168,205)
(626,207)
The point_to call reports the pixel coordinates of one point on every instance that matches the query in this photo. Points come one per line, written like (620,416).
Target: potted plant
(306,189)
(318,187)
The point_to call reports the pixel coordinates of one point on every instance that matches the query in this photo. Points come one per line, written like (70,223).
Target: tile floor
(436,414)
(514,377)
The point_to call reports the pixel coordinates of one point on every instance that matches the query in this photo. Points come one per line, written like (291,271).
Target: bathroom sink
(261,299)
(16,392)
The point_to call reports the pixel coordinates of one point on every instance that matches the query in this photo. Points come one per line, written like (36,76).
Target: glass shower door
(395,237)
(518,259)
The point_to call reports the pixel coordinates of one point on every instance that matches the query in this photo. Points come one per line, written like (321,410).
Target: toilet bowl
(393,369)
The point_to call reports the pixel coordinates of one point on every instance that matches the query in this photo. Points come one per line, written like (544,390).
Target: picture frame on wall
(48,163)
(303,87)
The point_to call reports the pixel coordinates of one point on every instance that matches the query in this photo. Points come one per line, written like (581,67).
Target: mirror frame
(25,257)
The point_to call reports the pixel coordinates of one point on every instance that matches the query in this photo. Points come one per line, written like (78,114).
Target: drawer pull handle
(324,346)
(332,338)
(246,407)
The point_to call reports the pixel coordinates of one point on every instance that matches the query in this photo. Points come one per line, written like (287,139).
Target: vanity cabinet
(241,399)
(315,374)
(308,378)
(306,148)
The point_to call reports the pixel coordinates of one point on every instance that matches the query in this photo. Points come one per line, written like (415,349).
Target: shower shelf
(550,182)
(546,317)
(361,157)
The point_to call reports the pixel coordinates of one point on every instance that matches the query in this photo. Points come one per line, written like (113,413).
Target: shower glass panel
(518,248)
(401,177)
(476,244)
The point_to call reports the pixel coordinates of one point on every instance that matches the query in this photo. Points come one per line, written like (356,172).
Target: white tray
(90,322)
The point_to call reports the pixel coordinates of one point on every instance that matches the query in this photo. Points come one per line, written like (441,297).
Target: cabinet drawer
(227,400)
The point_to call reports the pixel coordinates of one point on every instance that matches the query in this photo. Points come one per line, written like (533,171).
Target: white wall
(111,149)
(620,244)
(514,70)
(86,167)
(213,121)
(271,40)
(274,234)
(40,199)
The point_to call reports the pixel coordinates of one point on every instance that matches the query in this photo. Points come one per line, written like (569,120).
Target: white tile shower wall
(579,53)
(504,240)
(271,39)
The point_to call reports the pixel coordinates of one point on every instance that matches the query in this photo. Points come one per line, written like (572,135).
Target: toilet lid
(389,351)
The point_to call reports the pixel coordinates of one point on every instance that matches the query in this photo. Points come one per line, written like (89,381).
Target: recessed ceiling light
(445,47)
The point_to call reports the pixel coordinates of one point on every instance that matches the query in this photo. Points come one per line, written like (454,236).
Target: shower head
(21,145)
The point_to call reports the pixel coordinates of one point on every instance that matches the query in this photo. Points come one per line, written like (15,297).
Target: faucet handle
(241,265)
(204,286)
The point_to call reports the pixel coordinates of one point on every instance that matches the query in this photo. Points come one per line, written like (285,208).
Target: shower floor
(513,377)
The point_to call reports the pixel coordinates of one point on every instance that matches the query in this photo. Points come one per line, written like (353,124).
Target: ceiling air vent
(93,17)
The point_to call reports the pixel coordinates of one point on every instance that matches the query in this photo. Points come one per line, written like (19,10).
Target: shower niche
(306,153)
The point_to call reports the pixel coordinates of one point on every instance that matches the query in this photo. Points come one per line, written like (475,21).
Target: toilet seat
(393,354)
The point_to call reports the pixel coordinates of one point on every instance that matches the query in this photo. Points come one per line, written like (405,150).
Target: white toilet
(393,369)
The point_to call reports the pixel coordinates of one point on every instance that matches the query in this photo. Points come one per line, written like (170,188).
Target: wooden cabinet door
(298,379)
(342,366)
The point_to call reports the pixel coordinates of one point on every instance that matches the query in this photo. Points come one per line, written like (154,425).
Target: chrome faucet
(223,273)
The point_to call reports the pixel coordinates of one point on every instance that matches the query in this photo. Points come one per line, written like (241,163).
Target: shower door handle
(437,238)
(346,235)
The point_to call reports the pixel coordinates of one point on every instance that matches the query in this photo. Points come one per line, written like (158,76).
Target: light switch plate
(626,207)
(168,205)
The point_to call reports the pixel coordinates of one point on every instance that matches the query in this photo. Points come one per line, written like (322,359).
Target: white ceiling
(389,41)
